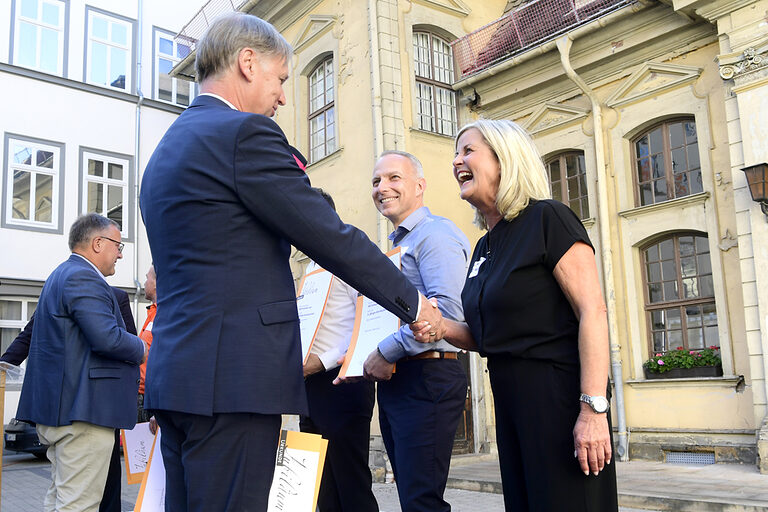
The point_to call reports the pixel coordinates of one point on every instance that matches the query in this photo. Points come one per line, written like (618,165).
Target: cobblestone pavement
(25,480)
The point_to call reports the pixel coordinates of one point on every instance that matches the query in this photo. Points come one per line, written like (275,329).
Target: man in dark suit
(18,351)
(82,370)
(223,198)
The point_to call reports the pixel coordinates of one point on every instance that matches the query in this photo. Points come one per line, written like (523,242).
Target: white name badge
(476,268)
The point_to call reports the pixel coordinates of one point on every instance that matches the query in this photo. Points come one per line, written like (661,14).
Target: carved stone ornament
(750,61)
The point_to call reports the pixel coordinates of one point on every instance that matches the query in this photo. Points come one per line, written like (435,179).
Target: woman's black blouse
(512,302)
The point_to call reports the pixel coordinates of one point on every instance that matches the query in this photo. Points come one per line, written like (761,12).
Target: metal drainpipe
(378,133)
(564,47)
(136,152)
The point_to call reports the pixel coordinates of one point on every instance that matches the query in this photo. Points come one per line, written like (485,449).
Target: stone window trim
(91,12)
(436,80)
(178,85)
(320,74)
(645,181)
(63,38)
(579,203)
(695,311)
(56,171)
(125,183)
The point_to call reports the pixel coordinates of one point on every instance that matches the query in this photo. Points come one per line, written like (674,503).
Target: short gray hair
(219,47)
(415,163)
(86,226)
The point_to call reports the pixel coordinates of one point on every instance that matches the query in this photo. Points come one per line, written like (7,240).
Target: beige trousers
(79,455)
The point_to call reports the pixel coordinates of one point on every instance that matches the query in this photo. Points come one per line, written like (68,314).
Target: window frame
(25,315)
(433,85)
(126,183)
(330,104)
(130,47)
(63,36)
(561,158)
(157,33)
(57,185)
(666,157)
(649,307)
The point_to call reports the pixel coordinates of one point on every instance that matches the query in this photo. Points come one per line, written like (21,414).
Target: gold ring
(432,333)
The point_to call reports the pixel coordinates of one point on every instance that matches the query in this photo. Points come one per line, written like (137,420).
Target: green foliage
(681,358)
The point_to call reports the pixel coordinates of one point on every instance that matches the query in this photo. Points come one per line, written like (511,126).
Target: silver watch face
(599,404)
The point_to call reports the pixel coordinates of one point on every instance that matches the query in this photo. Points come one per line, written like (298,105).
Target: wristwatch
(599,404)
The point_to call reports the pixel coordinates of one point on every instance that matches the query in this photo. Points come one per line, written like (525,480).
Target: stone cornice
(735,65)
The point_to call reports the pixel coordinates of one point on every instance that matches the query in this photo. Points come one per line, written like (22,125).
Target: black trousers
(537,403)
(111,501)
(221,463)
(419,410)
(342,415)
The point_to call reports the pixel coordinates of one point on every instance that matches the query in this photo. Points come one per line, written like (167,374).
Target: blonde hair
(523,176)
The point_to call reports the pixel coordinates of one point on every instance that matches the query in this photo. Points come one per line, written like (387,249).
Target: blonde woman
(534,308)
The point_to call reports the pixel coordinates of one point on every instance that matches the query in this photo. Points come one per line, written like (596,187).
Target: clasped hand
(429,327)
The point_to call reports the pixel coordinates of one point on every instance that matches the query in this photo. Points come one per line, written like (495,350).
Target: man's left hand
(377,368)
(313,365)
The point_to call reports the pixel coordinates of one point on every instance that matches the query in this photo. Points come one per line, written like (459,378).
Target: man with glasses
(82,371)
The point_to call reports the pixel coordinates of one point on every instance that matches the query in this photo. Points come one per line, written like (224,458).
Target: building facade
(87,97)
(645,114)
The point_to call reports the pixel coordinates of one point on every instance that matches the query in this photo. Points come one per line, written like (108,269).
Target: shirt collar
(219,98)
(410,222)
(91,264)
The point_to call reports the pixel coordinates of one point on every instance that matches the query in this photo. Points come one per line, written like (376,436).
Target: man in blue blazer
(82,371)
(223,199)
(18,351)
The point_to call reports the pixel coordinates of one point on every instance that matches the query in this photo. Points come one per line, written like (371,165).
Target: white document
(373,323)
(152,493)
(137,445)
(313,295)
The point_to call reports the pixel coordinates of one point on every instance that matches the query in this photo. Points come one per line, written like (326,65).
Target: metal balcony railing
(199,23)
(523,28)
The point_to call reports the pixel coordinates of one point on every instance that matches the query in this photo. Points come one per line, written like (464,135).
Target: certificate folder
(298,471)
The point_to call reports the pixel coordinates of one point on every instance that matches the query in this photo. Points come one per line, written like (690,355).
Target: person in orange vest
(146,336)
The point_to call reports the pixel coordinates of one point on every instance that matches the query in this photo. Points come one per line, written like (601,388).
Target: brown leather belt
(432,354)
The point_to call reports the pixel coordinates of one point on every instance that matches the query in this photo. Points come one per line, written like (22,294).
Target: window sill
(728,381)
(419,131)
(588,222)
(672,204)
(333,155)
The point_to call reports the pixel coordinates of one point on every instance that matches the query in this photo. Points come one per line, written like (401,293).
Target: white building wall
(66,111)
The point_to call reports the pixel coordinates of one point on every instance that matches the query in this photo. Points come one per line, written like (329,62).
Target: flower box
(686,373)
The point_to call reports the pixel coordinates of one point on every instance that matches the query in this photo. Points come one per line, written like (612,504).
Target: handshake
(429,327)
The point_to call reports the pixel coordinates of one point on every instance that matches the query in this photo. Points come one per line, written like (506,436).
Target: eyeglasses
(119,244)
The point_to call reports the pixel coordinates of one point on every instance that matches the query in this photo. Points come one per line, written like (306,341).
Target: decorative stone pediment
(454,6)
(315,26)
(652,78)
(551,115)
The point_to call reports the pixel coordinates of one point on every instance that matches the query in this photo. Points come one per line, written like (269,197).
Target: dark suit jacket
(222,200)
(82,364)
(18,350)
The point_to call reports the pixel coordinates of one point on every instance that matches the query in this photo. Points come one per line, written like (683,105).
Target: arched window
(667,162)
(322,114)
(680,296)
(436,101)
(568,180)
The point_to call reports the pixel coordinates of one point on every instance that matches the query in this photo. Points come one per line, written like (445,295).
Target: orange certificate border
(131,478)
(359,320)
(322,313)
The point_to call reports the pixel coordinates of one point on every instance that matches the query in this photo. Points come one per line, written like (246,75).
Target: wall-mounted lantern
(757,180)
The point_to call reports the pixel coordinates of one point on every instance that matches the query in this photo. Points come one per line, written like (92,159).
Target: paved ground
(643,486)
(25,480)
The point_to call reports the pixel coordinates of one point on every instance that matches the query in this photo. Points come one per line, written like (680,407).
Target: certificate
(152,491)
(298,470)
(311,301)
(373,323)
(137,444)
